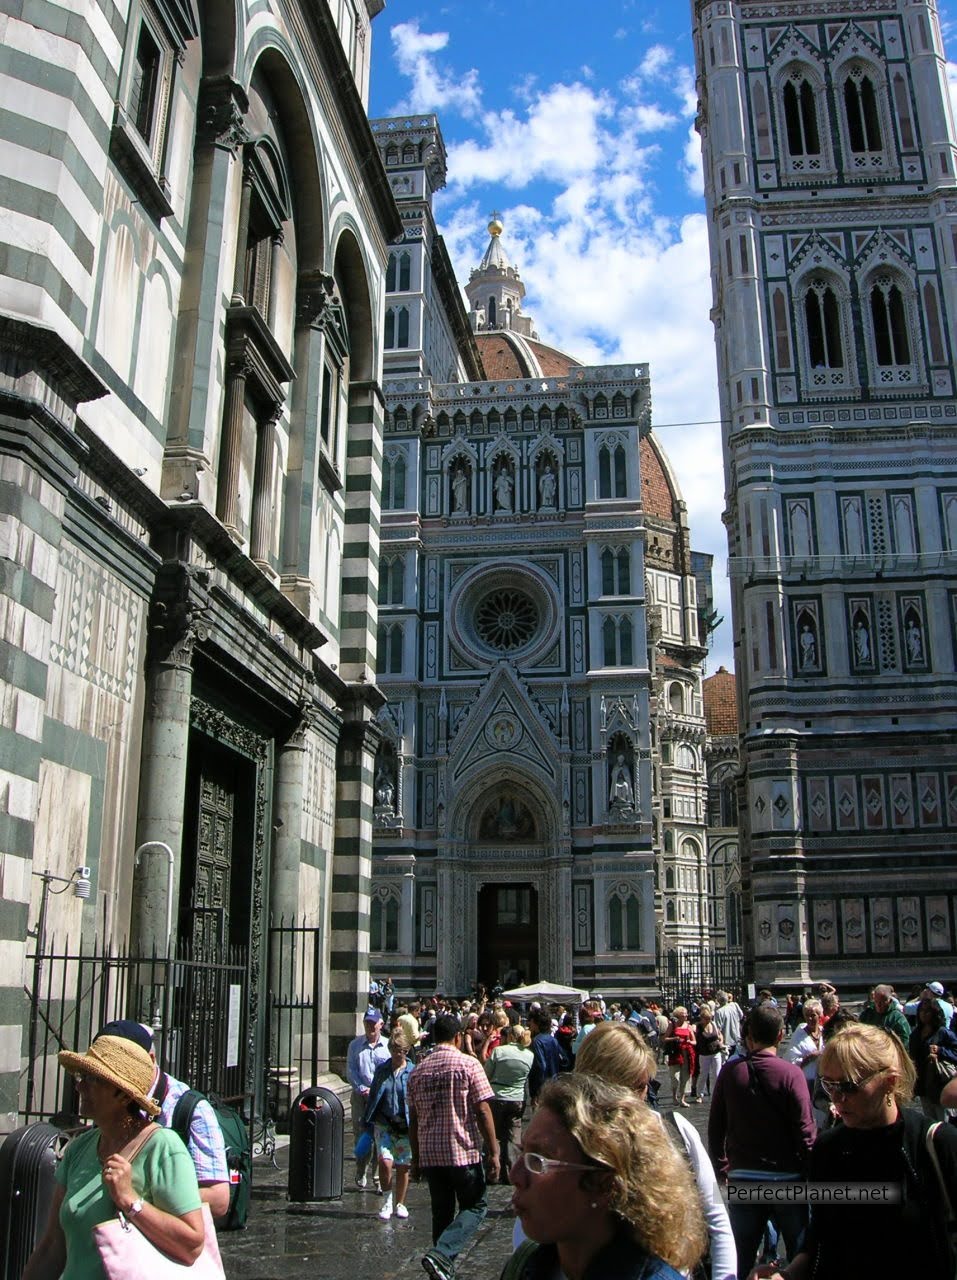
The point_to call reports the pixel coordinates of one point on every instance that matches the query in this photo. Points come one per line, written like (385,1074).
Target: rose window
(506,619)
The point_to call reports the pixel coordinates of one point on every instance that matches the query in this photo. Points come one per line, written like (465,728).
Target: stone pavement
(344,1239)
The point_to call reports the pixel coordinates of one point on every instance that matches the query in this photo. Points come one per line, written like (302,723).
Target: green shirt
(507,1070)
(163,1175)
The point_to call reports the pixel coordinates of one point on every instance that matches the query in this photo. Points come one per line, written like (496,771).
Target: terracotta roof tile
(656,495)
(499,357)
(720,703)
(554,363)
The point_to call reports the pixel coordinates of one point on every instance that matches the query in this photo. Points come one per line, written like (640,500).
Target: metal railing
(194,1002)
(687,971)
(295,1053)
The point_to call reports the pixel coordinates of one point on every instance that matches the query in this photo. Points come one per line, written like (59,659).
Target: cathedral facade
(191,289)
(829,158)
(540,789)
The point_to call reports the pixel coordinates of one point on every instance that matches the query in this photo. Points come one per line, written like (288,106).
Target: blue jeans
(449,1186)
(748,1223)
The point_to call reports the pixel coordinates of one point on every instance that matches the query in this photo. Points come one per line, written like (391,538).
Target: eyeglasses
(847,1088)
(535,1163)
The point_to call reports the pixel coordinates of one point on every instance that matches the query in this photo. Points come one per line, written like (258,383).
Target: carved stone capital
(180,599)
(315,299)
(221,116)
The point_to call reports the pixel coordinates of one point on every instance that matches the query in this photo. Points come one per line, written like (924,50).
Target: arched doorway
(507,935)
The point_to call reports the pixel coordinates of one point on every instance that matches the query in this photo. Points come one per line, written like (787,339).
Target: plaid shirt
(444,1091)
(205,1143)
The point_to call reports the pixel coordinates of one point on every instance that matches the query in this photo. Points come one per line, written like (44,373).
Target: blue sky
(576,123)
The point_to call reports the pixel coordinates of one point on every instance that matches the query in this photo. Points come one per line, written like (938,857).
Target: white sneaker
(362,1181)
(401,1211)
(385,1213)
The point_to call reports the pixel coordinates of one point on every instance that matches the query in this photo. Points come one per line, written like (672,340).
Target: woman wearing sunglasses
(883,1143)
(600,1191)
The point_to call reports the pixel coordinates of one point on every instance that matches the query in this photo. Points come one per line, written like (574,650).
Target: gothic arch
(353,280)
(485,785)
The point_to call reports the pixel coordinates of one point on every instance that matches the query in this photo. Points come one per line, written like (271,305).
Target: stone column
(290,786)
(227,494)
(238,298)
(352,869)
(262,513)
(179,600)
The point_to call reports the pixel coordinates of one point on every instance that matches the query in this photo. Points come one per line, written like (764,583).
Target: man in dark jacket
(548,1056)
(760,1130)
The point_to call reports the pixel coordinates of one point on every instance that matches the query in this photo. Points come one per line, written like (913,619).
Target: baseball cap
(128,1029)
(372,1015)
(937,989)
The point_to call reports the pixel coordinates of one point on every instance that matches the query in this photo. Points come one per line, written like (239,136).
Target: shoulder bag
(950,1220)
(127,1254)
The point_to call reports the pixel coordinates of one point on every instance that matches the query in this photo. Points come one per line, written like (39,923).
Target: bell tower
(829,163)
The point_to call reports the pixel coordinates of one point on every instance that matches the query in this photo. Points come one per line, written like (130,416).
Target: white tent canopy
(548,992)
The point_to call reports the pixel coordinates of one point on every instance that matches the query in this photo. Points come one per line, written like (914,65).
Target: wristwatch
(134,1208)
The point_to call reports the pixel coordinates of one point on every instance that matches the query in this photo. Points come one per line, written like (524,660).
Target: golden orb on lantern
(496,226)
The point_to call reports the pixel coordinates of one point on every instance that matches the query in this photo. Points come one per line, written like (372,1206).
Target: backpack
(238,1152)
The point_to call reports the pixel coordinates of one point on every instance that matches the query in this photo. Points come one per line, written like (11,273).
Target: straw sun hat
(119,1062)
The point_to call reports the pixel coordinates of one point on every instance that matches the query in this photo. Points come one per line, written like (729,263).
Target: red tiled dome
(720,703)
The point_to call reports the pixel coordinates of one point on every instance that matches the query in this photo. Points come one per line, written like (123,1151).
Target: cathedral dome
(720,703)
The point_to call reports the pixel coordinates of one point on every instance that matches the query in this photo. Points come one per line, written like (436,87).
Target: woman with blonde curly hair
(881,1141)
(619,1054)
(600,1190)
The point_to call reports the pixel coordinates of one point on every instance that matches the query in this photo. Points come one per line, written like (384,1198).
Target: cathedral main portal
(507,935)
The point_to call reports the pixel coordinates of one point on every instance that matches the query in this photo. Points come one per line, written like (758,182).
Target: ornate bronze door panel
(214,848)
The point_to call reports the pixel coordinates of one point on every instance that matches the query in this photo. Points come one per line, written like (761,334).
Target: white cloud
(558,138)
(656,62)
(609,276)
(432,87)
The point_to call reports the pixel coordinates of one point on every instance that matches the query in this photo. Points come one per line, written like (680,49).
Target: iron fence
(687,971)
(195,1002)
(297,1049)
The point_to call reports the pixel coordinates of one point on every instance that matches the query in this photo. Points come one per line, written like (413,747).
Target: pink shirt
(444,1091)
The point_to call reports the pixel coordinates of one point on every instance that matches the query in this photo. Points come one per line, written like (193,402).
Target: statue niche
(621,776)
(385,786)
(507,818)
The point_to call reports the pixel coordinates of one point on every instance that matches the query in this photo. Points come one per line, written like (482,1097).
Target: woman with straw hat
(124,1163)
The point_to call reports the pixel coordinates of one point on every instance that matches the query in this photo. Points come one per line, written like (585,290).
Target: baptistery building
(539,788)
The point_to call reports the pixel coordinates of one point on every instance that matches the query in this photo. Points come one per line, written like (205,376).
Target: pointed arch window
(392,580)
(393,482)
(399,272)
(615,571)
(397,328)
(617,648)
(889,316)
(862,113)
(384,924)
(822,316)
(389,649)
(624,921)
(612,472)
(492,318)
(800,117)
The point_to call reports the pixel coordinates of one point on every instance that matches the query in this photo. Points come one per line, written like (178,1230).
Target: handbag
(950,1221)
(937,1073)
(127,1254)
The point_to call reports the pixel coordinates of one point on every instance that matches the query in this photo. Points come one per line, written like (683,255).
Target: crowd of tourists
(564,1103)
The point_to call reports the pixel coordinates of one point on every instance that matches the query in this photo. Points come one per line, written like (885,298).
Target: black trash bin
(316,1146)
(28,1160)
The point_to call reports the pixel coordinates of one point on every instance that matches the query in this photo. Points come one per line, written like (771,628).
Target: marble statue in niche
(621,793)
(460,490)
(504,488)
